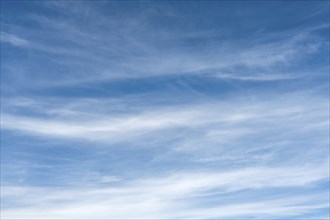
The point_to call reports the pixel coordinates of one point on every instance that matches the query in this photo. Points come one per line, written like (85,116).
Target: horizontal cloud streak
(14,40)
(174,110)
(130,53)
(86,125)
(151,198)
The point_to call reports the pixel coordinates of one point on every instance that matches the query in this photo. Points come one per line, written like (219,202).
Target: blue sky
(165,110)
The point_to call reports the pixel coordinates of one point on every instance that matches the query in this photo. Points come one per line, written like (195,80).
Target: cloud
(14,40)
(133,48)
(287,129)
(163,111)
(152,198)
(216,120)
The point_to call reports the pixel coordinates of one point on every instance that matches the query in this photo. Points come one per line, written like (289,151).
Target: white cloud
(13,40)
(222,122)
(162,154)
(153,198)
(260,61)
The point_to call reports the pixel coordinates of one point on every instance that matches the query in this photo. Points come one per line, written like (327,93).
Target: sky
(165,110)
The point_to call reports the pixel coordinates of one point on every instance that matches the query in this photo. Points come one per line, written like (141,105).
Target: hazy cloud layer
(174,110)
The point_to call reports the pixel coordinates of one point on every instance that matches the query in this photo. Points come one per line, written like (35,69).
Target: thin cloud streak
(137,110)
(87,125)
(261,60)
(157,195)
(13,40)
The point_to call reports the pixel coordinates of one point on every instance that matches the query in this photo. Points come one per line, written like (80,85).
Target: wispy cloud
(83,123)
(198,134)
(130,52)
(152,198)
(136,110)
(14,40)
